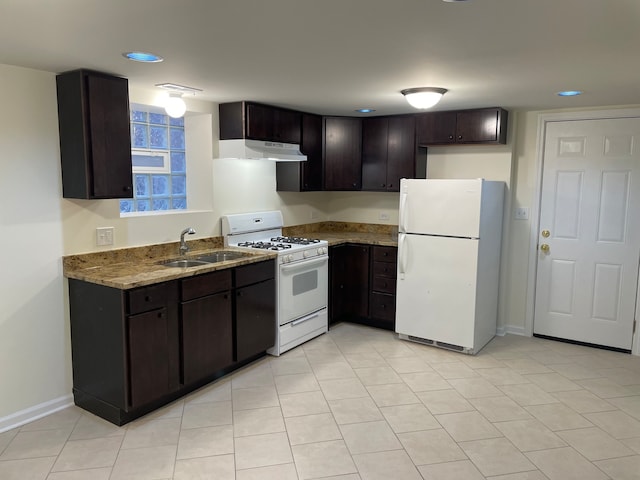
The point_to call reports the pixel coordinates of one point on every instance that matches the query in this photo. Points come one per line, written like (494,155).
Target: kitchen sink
(222,256)
(198,261)
(183,263)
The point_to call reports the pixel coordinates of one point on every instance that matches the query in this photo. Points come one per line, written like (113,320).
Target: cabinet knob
(126,188)
(382,185)
(390,186)
(147,298)
(354,184)
(459,137)
(450,137)
(160,314)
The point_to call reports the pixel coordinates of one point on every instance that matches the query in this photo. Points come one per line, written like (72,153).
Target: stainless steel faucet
(183,244)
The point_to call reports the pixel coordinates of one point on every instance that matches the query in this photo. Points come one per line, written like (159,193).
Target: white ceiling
(333,56)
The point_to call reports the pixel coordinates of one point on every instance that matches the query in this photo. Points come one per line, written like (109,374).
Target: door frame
(543,120)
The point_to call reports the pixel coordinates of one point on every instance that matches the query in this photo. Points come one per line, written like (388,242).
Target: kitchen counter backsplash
(346,232)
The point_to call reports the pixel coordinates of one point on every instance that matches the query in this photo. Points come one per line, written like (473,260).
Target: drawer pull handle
(147,298)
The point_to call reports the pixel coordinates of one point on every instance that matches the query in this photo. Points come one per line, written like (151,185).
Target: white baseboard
(34,413)
(512,330)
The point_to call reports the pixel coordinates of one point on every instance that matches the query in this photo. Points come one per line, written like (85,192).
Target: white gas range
(302,276)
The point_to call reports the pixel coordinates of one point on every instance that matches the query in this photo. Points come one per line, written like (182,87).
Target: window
(158,162)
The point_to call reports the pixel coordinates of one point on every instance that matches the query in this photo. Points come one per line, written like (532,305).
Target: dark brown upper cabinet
(342,153)
(388,152)
(483,125)
(304,176)
(95,139)
(259,122)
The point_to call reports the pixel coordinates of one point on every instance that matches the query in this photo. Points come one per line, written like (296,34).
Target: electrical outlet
(383,216)
(104,236)
(522,213)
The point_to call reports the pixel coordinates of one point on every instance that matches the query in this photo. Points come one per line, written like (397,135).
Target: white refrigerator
(449,237)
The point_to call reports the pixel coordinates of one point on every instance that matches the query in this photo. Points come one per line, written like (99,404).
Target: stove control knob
(306,253)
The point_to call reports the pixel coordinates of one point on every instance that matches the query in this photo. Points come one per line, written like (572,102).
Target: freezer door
(441,207)
(436,288)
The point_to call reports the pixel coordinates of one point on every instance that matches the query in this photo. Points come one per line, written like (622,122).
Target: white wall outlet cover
(383,216)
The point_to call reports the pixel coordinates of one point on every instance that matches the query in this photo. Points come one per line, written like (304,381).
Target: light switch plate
(522,213)
(104,236)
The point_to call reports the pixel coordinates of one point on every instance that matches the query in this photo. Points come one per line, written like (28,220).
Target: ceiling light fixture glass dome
(425,97)
(175,106)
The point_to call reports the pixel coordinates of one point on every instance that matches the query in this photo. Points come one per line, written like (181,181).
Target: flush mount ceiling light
(365,110)
(425,97)
(144,57)
(569,93)
(174,105)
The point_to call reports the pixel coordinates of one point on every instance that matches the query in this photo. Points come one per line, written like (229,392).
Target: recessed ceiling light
(144,57)
(569,93)
(454,1)
(365,110)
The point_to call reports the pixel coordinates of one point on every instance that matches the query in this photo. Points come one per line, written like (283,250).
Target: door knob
(544,247)
(546,233)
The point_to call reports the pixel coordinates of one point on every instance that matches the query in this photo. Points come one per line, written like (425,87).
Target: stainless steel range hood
(260,150)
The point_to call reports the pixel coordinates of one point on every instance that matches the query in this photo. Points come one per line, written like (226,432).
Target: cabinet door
(374,153)
(149,355)
(311,146)
(207,336)
(436,128)
(95,141)
(255,319)
(342,153)
(481,126)
(349,281)
(271,123)
(401,151)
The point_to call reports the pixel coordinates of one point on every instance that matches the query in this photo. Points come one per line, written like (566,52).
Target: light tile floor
(358,403)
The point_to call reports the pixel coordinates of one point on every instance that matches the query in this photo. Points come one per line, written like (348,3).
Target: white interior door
(589,238)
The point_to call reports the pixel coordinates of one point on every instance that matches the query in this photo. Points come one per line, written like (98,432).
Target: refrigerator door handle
(403,212)
(402,248)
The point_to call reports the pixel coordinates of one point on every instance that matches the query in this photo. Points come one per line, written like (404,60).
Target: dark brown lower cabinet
(349,278)
(363,285)
(136,350)
(255,308)
(207,336)
(255,319)
(149,355)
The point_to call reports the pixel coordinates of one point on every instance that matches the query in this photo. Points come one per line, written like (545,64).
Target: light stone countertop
(134,267)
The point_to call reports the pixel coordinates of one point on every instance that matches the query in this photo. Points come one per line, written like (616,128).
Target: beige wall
(34,335)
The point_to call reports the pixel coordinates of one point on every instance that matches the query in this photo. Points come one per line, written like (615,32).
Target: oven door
(303,288)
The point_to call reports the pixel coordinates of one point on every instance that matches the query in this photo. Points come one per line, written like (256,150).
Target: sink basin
(223,256)
(200,260)
(183,263)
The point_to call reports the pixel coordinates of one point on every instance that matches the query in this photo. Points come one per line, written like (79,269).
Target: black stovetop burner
(295,240)
(264,245)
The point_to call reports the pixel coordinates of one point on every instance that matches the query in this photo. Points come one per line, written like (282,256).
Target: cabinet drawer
(254,273)
(207,284)
(383,306)
(382,269)
(147,298)
(385,254)
(384,284)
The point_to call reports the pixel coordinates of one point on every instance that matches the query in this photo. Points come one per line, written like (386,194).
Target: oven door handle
(304,319)
(303,265)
